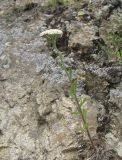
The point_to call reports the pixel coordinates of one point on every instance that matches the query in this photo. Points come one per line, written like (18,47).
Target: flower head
(52,32)
(52,35)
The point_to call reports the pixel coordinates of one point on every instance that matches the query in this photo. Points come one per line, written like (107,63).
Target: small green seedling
(52,35)
(113,48)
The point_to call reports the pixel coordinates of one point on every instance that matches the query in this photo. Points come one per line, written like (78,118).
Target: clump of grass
(28,5)
(52,36)
(113,49)
(113,40)
(116,44)
(53,4)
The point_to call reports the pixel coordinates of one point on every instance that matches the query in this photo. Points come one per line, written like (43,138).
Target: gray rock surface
(114,139)
(36,120)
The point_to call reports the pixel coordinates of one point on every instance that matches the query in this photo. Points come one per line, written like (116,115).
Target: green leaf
(81,13)
(73,88)
(82,101)
(81,129)
(62,67)
(119,55)
(85,126)
(69,71)
(84,111)
(76,113)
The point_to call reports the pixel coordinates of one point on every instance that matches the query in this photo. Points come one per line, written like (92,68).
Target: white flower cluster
(52,32)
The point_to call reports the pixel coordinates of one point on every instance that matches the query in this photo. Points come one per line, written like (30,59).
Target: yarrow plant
(52,36)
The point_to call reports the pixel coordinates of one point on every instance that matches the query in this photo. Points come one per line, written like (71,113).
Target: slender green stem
(84,121)
(60,56)
(75,96)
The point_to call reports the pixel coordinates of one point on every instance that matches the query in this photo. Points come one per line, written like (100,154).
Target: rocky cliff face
(36,120)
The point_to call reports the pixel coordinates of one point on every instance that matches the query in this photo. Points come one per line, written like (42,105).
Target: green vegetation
(113,40)
(28,5)
(116,44)
(52,36)
(82,112)
(114,49)
(54,3)
(12,13)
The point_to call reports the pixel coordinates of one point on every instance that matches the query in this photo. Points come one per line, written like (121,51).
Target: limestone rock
(82,38)
(114,143)
(36,120)
(114,139)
